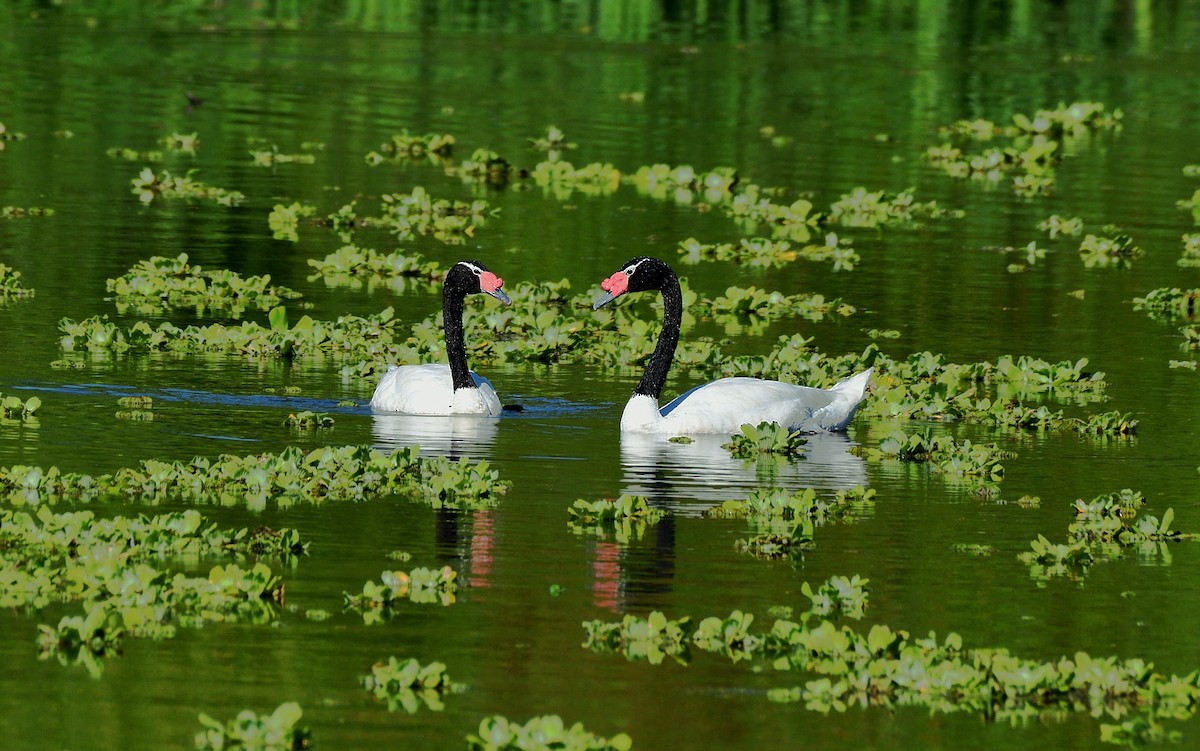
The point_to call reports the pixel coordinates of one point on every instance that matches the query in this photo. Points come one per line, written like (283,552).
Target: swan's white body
(450,389)
(721,406)
(724,406)
(429,390)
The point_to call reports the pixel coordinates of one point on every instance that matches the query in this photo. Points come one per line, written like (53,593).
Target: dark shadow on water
(671,474)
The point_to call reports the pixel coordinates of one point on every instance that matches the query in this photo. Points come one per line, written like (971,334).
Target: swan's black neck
(456,349)
(655,376)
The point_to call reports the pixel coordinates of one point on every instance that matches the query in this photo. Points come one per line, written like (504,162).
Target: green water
(859,89)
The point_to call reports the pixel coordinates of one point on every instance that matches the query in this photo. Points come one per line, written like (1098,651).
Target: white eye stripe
(632,268)
(474,269)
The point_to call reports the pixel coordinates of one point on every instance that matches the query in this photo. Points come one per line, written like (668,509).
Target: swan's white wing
(725,405)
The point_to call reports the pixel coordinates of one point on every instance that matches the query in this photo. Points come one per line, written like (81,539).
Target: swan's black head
(635,275)
(472,278)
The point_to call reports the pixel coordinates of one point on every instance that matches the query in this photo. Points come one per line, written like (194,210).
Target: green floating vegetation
(1190,258)
(785,522)
(888,668)
(379,599)
(361,337)
(108,565)
(1033,145)
(925,386)
(497,733)
(404,146)
(13,408)
(9,135)
(278,731)
(284,221)
(161,282)
(1102,531)
(863,208)
(766,438)
(406,685)
(554,140)
(181,143)
(1055,225)
(1170,303)
(625,518)
(682,184)
(561,179)
(960,460)
(269,155)
(136,402)
(147,186)
(17,212)
(768,253)
(1118,251)
(10,284)
(133,155)
(292,476)
(407,215)
(351,265)
(1191,204)
(309,420)
(656,637)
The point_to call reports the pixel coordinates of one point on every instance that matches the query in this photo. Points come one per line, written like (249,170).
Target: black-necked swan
(721,406)
(446,389)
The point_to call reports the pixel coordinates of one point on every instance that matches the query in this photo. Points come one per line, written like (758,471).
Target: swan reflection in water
(687,478)
(672,474)
(452,436)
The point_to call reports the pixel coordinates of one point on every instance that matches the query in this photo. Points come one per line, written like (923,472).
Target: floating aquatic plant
(1033,145)
(405,146)
(497,733)
(1190,258)
(9,135)
(863,208)
(351,262)
(284,221)
(554,140)
(378,599)
(147,186)
(561,179)
(292,476)
(181,143)
(174,283)
(625,518)
(965,460)
(1055,225)
(772,253)
(14,408)
(133,155)
(17,212)
(308,420)
(278,731)
(1118,251)
(85,639)
(683,183)
(108,565)
(1104,529)
(406,685)
(888,668)
(766,438)
(269,155)
(407,215)
(1169,303)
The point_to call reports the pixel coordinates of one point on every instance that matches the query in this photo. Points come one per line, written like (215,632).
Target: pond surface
(814,99)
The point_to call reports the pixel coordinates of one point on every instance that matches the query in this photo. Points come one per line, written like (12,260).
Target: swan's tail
(848,394)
